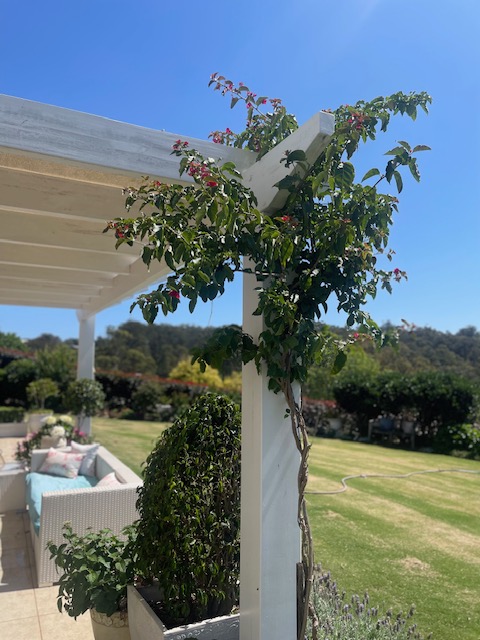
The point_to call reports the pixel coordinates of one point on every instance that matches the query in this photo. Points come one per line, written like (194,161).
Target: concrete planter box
(146,625)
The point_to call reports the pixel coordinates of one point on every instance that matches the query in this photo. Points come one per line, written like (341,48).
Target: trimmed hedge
(12,414)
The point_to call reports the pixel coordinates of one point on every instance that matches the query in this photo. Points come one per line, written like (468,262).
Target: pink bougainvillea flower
(396,271)
(212,183)
(174,294)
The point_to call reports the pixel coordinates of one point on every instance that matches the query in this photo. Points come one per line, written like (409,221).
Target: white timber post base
(270,536)
(86,356)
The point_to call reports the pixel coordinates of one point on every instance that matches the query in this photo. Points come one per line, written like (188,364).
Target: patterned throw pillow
(87,467)
(109,480)
(61,463)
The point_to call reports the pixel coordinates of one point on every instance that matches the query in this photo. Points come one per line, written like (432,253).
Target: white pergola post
(86,355)
(270,535)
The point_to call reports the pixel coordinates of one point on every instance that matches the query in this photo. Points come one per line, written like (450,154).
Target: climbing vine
(327,243)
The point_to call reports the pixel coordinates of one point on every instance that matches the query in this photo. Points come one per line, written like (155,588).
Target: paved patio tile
(15,606)
(27,629)
(60,626)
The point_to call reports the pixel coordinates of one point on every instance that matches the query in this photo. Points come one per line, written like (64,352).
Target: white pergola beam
(93,141)
(311,137)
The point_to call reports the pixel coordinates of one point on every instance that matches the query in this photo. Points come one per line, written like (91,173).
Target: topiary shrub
(189,505)
(85,398)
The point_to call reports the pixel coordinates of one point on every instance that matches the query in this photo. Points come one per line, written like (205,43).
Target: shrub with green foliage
(145,400)
(85,397)
(39,390)
(11,414)
(95,570)
(435,399)
(461,439)
(189,506)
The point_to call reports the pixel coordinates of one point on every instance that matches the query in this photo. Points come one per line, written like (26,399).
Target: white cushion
(87,467)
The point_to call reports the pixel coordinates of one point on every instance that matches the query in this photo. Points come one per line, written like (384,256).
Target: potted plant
(96,569)
(187,544)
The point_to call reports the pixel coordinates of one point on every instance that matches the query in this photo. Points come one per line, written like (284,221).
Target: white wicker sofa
(112,507)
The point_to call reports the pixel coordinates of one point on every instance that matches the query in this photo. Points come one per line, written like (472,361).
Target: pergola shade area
(61,178)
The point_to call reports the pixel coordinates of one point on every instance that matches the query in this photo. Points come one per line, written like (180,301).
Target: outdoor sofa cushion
(39,483)
(62,463)
(87,468)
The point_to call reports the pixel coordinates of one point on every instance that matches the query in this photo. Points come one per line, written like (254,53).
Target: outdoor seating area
(25,565)
(26,611)
(392,429)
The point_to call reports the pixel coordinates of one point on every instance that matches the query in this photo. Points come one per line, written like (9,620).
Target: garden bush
(145,400)
(460,439)
(12,414)
(435,400)
(189,506)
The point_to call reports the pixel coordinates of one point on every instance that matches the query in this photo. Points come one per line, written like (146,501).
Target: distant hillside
(137,347)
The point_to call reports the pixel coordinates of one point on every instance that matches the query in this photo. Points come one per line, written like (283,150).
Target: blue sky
(148,63)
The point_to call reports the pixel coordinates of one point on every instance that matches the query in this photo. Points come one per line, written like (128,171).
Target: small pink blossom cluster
(358,120)
(227,86)
(200,171)
(119,228)
(219,136)
(398,274)
(174,294)
(179,144)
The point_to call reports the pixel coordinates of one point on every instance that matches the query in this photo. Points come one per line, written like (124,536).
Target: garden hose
(381,475)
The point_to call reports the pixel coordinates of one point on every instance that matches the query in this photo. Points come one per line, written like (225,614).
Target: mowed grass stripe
(414,540)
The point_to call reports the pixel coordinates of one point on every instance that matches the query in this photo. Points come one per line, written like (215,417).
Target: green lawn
(406,541)
(129,440)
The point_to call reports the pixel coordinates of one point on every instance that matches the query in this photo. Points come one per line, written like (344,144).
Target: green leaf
(421,147)
(412,165)
(390,168)
(397,151)
(369,174)
(339,362)
(405,145)
(344,175)
(398,180)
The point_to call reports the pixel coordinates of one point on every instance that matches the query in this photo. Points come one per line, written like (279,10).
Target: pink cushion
(61,463)
(109,480)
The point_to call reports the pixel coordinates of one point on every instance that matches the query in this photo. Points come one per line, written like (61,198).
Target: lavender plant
(339,619)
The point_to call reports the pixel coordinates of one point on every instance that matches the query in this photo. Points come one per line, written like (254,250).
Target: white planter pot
(114,627)
(35,421)
(146,625)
